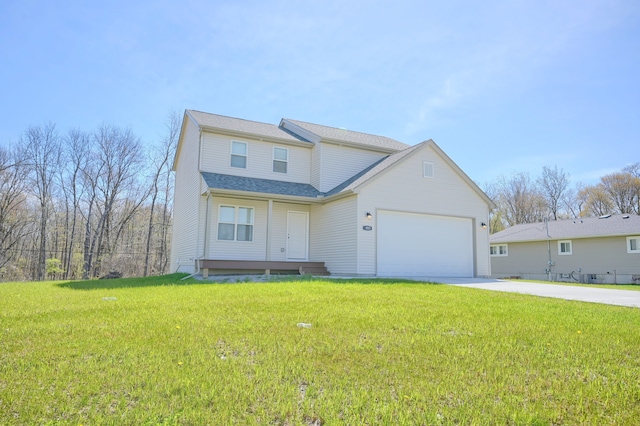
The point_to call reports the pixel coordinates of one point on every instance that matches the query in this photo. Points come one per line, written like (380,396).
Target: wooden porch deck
(218,267)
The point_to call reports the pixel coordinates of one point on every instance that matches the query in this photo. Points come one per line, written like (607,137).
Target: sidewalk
(585,294)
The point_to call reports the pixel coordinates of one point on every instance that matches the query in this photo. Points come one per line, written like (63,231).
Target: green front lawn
(161,351)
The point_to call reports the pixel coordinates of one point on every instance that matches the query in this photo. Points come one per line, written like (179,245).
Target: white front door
(297,235)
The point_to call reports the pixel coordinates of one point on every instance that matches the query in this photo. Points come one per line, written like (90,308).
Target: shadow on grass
(176,280)
(355,280)
(162,280)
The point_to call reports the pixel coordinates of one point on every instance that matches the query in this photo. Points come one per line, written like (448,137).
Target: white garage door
(424,245)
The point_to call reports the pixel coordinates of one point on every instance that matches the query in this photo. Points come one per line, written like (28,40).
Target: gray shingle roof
(264,186)
(222,122)
(359,138)
(587,227)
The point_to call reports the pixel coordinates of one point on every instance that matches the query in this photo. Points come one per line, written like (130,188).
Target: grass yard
(160,351)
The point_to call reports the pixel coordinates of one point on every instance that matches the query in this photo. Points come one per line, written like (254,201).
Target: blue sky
(501,86)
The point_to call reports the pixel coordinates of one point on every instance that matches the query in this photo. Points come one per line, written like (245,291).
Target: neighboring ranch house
(589,250)
(311,198)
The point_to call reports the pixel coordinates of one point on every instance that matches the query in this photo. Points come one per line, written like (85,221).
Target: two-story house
(252,195)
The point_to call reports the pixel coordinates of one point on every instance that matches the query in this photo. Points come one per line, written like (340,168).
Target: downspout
(269,218)
(206,239)
(205,248)
(549,262)
(195,273)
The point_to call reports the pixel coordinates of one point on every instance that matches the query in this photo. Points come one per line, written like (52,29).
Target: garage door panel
(424,245)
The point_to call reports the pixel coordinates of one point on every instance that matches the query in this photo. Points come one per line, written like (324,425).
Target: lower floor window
(633,244)
(498,250)
(564,247)
(235,223)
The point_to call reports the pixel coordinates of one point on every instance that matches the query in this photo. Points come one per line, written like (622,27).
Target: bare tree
(42,155)
(520,200)
(77,149)
(634,170)
(623,190)
(554,184)
(573,203)
(161,161)
(119,157)
(596,200)
(13,221)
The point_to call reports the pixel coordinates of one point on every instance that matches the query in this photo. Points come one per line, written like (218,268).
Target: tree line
(521,198)
(81,204)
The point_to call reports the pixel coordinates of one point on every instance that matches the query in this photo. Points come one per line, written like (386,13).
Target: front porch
(221,267)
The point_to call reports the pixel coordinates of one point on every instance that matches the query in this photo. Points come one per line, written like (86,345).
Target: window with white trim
(633,244)
(565,247)
(280,159)
(239,154)
(235,223)
(427,169)
(499,250)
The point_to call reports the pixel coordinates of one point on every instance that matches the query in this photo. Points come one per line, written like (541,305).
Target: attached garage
(410,244)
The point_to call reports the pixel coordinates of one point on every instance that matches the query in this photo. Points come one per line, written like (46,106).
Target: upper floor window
(280,159)
(427,169)
(235,223)
(239,154)
(633,244)
(499,250)
(565,247)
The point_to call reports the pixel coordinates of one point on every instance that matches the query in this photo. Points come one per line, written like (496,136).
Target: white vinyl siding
(216,151)
(316,170)
(499,250)
(333,235)
(565,248)
(633,244)
(239,154)
(339,163)
(280,160)
(186,207)
(402,188)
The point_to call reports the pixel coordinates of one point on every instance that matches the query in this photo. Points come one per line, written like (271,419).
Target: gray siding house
(588,250)
(298,194)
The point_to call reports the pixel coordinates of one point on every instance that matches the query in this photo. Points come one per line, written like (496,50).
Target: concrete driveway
(585,294)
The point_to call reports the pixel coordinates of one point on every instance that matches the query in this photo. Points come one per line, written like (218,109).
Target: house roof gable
(587,227)
(385,164)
